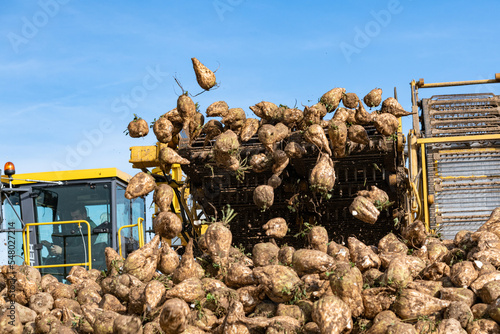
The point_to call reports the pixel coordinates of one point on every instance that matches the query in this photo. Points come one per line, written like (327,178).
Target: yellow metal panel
(157,171)
(141,231)
(471,177)
(203,228)
(144,156)
(458,138)
(424,183)
(176,172)
(470,150)
(147,156)
(69,175)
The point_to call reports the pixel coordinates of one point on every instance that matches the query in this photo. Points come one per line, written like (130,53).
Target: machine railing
(140,234)
(26,242)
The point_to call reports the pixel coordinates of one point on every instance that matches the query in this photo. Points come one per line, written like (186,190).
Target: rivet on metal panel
(430,199)
(437,185)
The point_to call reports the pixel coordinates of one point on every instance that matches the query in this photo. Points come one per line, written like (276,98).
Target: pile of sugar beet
(410,283)
(416,283)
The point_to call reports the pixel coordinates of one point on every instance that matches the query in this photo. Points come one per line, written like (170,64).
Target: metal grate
(461,115)
(363,167)
(464,177)
(467,188)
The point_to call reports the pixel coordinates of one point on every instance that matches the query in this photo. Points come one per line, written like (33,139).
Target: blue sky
(74,72)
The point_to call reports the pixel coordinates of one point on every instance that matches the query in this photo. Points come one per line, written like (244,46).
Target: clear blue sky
(73,73)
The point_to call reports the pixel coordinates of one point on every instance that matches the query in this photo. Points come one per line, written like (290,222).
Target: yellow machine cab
(54,220)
